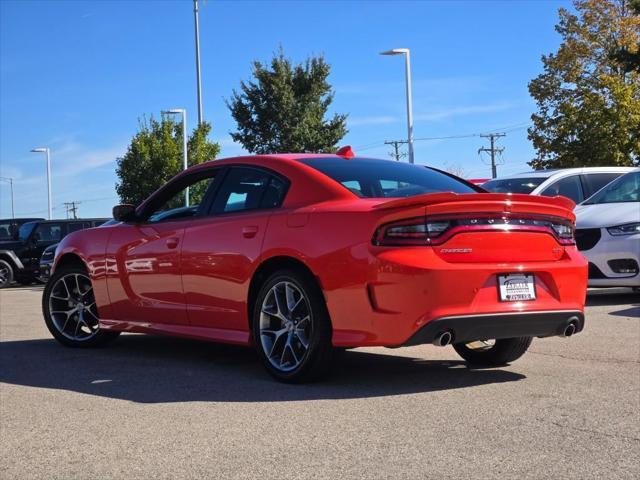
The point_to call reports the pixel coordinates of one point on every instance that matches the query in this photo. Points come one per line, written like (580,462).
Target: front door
(144,257)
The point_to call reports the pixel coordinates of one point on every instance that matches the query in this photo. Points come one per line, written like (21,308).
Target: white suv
(608,233)
(575,183)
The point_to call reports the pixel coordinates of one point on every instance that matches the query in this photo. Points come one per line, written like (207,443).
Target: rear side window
(513,185)
(48,232)
(249,189)
(372,178)
(569,187)
(595,181)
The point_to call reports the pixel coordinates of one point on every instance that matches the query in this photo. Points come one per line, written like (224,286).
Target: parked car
(20,258)
(608,233)
(9,227)
(574,183)
(478,181)
(300,254)
(46,260)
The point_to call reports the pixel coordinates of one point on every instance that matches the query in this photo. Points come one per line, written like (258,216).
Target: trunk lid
(488,227)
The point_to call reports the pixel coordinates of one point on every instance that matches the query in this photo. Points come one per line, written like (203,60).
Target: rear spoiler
(450,197)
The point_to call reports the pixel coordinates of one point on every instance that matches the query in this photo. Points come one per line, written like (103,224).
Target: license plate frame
(517,287)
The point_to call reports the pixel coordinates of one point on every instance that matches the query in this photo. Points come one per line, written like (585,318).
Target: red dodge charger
(299,255)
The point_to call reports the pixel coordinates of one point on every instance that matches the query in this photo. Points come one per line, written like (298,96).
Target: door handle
(172,242)
(249,232)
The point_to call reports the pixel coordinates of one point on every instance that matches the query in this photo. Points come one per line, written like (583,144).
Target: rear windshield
(513,185)
(370,178)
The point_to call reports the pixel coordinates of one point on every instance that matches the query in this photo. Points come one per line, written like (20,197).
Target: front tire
(6,274)
(493,353)
(291,327)
(70,311)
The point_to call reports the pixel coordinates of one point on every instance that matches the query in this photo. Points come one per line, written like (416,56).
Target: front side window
(370,178)
(249,189)
(569,187)
(595,181)
(173,204)
(25,230)
(621,190)
(513,185)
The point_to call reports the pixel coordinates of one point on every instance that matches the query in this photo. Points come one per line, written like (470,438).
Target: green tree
(588,100)
(629,56)
(283,109)
(155,155)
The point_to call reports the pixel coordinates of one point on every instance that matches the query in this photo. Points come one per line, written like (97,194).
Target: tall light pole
(197,28)
(185,163)
(407,68)
(10,181)
(46,150)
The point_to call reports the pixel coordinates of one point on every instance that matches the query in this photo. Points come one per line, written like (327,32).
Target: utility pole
(492,150)
(72,207)
(9,180)
(396,147)
(197,28)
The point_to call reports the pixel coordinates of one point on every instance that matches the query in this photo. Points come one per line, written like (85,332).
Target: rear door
(219,252)
(45,234)
(569,187)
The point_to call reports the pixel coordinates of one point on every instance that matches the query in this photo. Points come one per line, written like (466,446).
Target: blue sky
(75,76)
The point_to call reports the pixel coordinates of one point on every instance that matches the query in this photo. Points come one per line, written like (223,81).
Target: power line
(505,129)
(492,150)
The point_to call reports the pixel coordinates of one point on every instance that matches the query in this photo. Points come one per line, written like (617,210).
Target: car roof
(70,220)
(566,171)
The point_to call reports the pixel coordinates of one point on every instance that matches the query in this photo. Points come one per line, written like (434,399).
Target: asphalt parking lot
(152,407)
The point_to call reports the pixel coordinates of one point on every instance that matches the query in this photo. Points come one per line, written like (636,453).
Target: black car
(20,257)
(46,260)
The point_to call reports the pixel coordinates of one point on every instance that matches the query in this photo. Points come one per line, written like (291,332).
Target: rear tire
(70,312)
(6,274)
(291,327)
(503,351)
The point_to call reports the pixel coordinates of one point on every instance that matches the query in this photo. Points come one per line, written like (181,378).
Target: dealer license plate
(516,287)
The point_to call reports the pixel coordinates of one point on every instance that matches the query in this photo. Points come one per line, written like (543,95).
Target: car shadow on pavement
(604,297)
(150,369)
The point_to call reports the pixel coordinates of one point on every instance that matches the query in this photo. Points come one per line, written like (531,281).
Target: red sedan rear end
(300,254)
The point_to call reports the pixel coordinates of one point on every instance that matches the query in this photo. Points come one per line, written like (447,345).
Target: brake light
(412,231)
(437,230)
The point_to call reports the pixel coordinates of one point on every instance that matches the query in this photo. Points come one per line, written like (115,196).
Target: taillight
(434,231)
(412,231)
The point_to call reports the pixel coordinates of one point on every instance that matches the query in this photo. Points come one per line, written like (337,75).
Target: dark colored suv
(9,227)
(20,255)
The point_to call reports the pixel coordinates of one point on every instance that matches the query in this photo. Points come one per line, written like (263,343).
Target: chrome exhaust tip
(569,330)
(443,339)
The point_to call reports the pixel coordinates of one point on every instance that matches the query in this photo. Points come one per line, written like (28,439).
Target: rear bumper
(469,328)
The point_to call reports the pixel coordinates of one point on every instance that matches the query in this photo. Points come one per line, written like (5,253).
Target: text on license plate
(516,287)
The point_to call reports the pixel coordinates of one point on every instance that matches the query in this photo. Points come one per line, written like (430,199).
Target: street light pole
(407,69)
(185,162)
(197,29)
(10,180)
(47,151)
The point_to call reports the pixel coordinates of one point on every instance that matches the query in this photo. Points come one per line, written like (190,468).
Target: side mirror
(125,212)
